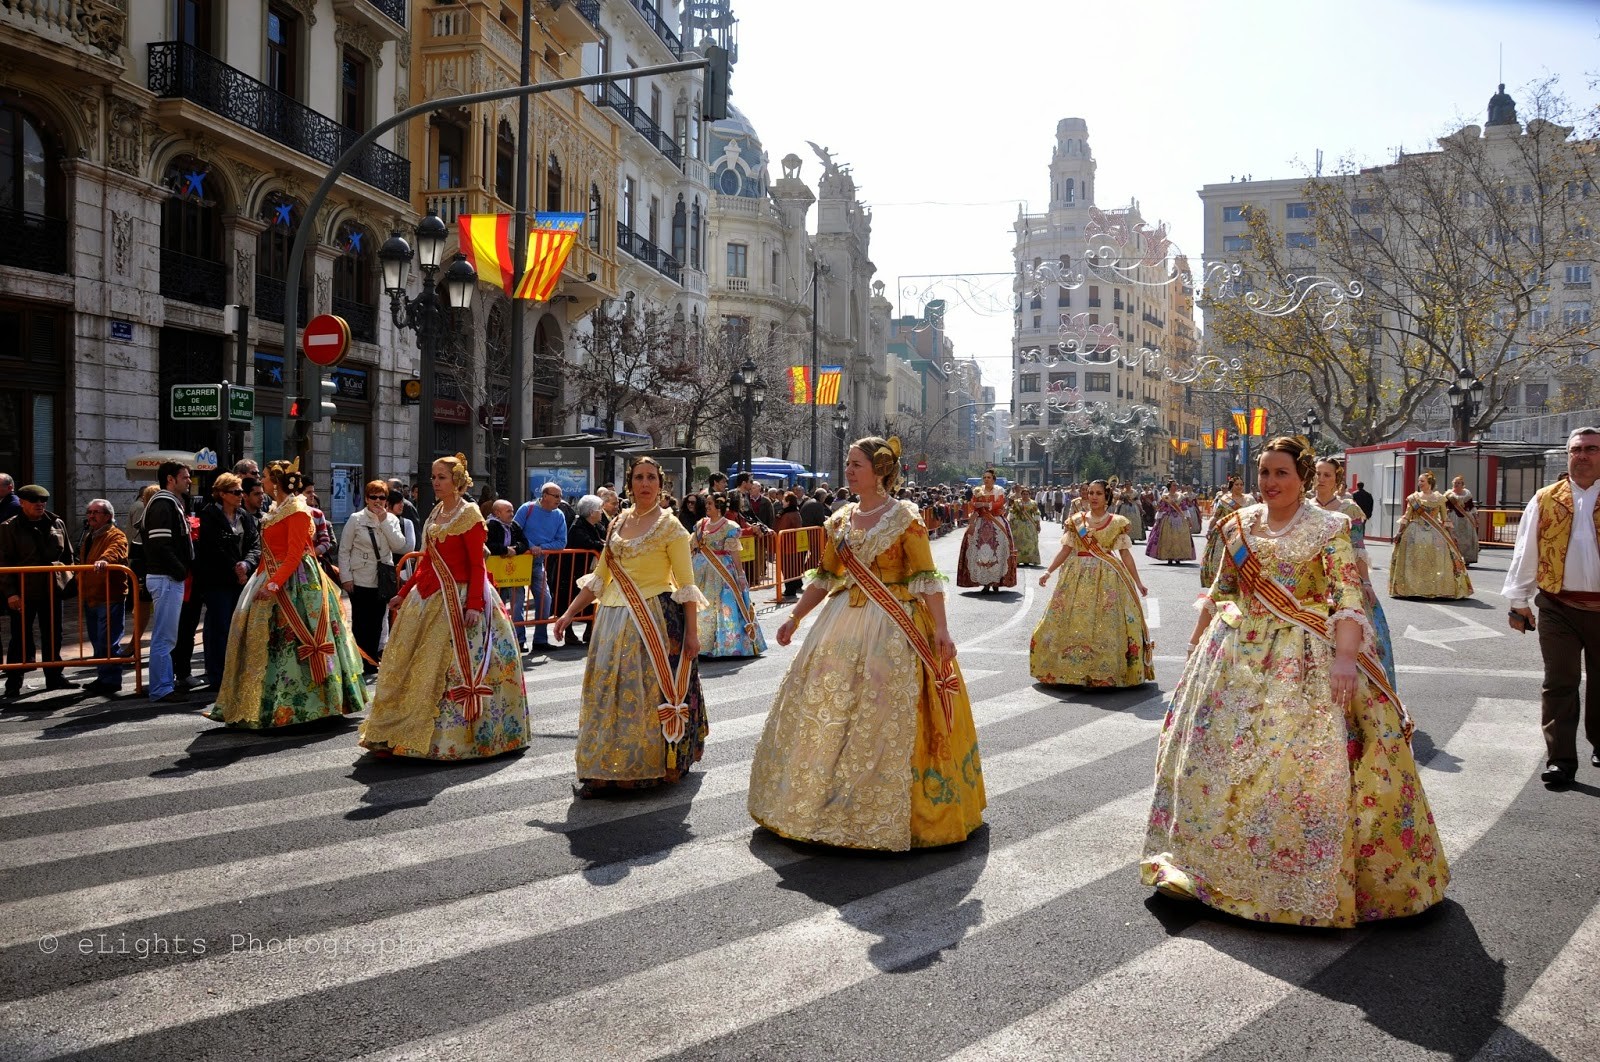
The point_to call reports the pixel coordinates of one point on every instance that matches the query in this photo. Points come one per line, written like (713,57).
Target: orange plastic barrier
(795,551)
(1497,527)
(84,656)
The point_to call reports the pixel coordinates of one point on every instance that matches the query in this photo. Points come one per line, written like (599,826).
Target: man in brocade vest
(1556,564)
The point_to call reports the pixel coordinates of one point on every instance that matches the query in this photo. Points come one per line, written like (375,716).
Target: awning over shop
(143,466)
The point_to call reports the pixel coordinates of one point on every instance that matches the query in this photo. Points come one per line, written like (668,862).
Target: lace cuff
(1369,643)
(1203,603)
(930,583)
(825,579)
(590,582)
(690,595)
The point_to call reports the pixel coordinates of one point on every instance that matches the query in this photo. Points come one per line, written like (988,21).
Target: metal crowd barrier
(85,658)
(561,582)
(756,554)
(795,550)
(1497,527)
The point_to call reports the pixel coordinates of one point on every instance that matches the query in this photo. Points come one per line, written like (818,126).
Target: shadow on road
(610,851)
(395,783)
(223,746)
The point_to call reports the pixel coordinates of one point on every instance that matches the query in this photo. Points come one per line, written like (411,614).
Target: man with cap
(35,536)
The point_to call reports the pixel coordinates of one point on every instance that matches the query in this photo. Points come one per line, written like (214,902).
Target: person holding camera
(368,547)
(1556,565)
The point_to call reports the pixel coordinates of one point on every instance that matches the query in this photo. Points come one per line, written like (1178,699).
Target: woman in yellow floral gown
(450,684)
(1426,562)
(642,719)
(1093,632)
(1285,786)
(1232,501)
(870,743)
(1025,523)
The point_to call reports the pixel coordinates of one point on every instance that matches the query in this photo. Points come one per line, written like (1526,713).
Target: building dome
(738,161)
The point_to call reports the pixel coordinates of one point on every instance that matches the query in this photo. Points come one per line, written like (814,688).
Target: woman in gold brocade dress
(1463,520)
(1093,632)
(450,683)
(870,743)
(642,719)
(1286,790)
(1025,524)
(1426,562)
(1227,502)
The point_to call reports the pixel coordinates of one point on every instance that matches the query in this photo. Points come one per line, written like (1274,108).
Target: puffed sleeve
(597,581)
(472,540)
(682,563)
(1344,585)
(922,576)
(829,573)
(298,532)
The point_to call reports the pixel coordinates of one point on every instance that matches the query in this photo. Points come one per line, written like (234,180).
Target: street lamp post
(841,426)
(1309,424)
(750,392)
(428,315)
(1466,395)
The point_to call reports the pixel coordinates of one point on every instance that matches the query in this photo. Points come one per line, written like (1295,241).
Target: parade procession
(555,528)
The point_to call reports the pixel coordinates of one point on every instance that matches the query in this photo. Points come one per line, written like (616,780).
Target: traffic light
(714,99)
(324,389)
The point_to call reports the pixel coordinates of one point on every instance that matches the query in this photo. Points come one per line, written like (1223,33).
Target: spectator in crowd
(255,496)
(103,594)
(793,565)
(610,506)
(372,537)
(169,553)
(34,536)
(408,510)
(9,505)
(225,555)
(136,536)
(1556,565)
(545,528)
(397,506)
(1363,498)
(189,615)
(586,533)
(246,466)
(506,539)
(322,544)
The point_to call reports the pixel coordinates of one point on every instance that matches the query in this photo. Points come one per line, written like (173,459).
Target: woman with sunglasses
(225,554)
(371,539)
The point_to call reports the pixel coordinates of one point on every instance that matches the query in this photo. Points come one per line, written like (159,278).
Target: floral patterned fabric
(988,553)
(1170,537)
(413,712)
(1025,525)
(1271,803)
(1214,547)
(1426,562)
(1093,631)
(264,682)
(1463,524)
(721,624)
(1369,597)
(854,751)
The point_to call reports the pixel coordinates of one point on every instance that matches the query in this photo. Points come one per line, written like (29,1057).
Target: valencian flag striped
(799,385)
(486,241)
(828,385)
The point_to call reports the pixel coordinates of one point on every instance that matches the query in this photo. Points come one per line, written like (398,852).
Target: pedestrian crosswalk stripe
(1546,1017)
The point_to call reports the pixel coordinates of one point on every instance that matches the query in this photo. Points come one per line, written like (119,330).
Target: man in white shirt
(1556,565)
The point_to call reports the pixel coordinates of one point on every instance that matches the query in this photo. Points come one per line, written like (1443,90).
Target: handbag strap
(377,556)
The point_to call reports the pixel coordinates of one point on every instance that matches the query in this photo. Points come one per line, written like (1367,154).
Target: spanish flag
(828,385)
(799,385)
(486,241)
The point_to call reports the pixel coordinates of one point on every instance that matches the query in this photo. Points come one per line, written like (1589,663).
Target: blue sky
(946,111)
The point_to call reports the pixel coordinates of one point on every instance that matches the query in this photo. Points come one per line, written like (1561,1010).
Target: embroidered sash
(1088,543)
(1457,563)
(1272,595)
(740,595)
(473,688)
(945,680)
(315,650)
(673,712)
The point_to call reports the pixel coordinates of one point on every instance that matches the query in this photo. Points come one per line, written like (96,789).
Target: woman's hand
(558,629)
(474,617)
(1043,579)
(1342,679)
(787,630)
(1144,591)
(349,586)
(691,641)
(944,646)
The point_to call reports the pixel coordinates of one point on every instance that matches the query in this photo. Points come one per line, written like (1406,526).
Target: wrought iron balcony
(590,10)
(395,9)
(269,301)
(34,242)
(362,319)
(198,280)
(653,19)
(182,71)
(611,95)
(649,254)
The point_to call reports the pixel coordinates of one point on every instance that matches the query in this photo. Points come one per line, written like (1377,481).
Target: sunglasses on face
(377,497)
(233,492)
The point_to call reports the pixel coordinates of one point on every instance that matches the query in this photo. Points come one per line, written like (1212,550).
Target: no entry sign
(326,339)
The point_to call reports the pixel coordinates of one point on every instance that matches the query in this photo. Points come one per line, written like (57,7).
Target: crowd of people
(1285,785)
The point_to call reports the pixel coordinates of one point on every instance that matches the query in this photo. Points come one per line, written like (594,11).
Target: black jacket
(584,535)
(1363,499)
(221,547)
(28,542)
(814,513)
(168,550)
(499,545)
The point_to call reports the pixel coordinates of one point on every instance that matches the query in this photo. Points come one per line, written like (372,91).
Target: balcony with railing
(95,27)
(188,278)
(387,18)
(612,95)
(362,319)
(182,71)
(472,26)
(34,241)
(269,301)
(648,253)
(658,25)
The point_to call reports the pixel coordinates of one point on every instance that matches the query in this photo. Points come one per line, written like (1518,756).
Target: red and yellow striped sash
(315,649)
(1089,543)
(739,595)
(473,689)
(673,712)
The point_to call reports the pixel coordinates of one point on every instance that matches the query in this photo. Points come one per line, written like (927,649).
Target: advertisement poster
(571,467)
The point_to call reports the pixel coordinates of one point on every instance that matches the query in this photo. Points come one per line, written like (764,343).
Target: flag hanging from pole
(486,241)
(828,385)
(799,385)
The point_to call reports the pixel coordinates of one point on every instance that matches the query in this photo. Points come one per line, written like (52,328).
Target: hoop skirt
(855,752)
(721,623)
(1426,562)
(988,552)
(1025,525)
(1170,537)
(1464,527)
(265,681)
(1213,555)
(1093,631)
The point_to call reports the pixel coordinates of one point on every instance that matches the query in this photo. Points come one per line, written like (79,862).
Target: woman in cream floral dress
(1285,786)
(870,743)
(728,625)
(1227,502)
(1426,562)
(1025,524)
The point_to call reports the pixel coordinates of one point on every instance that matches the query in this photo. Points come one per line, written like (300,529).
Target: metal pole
(428,327)
(816,286)
(225,447)
(241,372)
(303,231)
(519,252)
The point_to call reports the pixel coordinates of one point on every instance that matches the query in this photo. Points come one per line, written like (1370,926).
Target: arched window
(1071,189)
(355,289)
(680,230)
(192,264)
(552,184)
(32,193)
(595,203)
(282,215)
(694,235)
(505,162)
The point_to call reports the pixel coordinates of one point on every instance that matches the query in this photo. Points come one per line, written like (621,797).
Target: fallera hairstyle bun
(1299,451)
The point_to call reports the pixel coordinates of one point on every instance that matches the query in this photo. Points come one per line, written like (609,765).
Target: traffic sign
(197,402)
(922,466)
(326,339)
(241,403)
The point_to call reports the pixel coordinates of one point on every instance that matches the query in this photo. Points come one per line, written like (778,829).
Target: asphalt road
(170,889)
